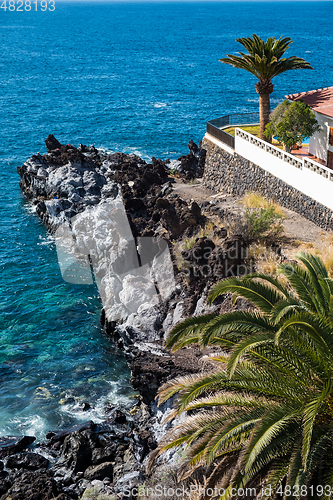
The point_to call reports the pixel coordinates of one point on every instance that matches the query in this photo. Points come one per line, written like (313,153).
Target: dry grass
(256,200)
(263,259)
(304,246)
(328,260)
(205,232)
(187,243)
(197,487)
(323,248)
(329,239)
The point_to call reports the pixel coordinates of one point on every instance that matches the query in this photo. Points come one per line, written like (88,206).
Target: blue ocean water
(133,77)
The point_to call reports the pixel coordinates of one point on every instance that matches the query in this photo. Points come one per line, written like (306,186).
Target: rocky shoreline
(68,187)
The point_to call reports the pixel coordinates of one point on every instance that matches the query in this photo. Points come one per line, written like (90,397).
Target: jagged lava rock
(14,444)
(35,486)
(29,461)
(99,471)
(52,143)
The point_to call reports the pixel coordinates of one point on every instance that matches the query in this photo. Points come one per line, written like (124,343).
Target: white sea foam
(47,240)
(97,413)
(33,425)
(124,148)
(16,26)
(30,208)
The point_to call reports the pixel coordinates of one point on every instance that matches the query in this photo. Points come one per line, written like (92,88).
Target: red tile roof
(320,100)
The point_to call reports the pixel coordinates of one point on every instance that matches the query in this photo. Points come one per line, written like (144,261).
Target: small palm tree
(264,60)
(264,414)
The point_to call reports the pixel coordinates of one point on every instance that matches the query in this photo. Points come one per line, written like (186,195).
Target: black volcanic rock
(193,147)
(35,486)
(99,471)
(192,164)
(188,165)
(76,452)
(70,180)
(30,461)
(60,436)
(150,371)
(14,444)
(52,143)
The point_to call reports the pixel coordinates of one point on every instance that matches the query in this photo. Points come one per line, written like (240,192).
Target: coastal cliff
(119,216)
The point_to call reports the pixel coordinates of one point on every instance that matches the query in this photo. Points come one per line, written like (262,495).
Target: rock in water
(52,144)
(193,147)
(14,444)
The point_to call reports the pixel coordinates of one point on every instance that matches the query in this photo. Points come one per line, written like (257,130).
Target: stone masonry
(235,174)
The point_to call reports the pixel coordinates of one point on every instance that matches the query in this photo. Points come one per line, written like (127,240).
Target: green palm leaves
(264,409)
(264,60)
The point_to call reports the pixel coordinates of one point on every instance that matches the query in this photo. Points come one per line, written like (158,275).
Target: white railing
(287,157)
(308,176)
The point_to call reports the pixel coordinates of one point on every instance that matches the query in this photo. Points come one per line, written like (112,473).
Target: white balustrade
(306,175)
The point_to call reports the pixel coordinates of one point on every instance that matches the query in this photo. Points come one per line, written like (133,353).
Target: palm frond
(310,413)
(232,327)
(248,344)
(265,405)
(264,58)
(191,326)
(260,295)
(315,327)
(270,427)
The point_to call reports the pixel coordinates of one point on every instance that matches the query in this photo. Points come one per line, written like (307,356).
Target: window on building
(330,138)
(330,159)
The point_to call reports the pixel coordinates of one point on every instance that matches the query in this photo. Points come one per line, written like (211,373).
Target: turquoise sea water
(133,77)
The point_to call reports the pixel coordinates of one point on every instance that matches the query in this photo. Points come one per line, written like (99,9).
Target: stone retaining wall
(234,174)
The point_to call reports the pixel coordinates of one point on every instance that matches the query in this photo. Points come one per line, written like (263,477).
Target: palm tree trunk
(264,112)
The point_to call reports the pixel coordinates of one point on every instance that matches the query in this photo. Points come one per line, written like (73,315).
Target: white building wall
(308,181)
(318,143)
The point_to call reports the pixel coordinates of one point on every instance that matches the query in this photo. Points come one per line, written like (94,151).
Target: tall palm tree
(264,60)
(264,414)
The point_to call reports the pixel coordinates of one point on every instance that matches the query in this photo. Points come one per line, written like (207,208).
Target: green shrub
(291,123)
(263,224)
